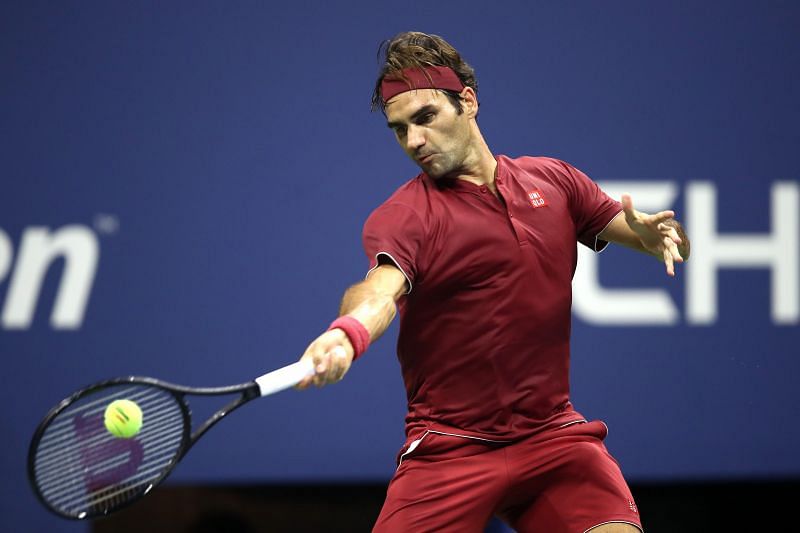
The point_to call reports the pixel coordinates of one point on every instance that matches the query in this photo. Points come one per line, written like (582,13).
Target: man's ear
(469,100)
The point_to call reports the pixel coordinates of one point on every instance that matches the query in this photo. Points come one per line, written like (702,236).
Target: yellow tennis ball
(123,418)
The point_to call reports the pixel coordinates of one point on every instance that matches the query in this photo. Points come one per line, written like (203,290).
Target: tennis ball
(123,418)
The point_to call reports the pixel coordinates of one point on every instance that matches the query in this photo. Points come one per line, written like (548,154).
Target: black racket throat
(80,470)
(249,393)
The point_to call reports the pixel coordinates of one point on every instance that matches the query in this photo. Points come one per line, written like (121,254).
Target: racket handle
(285,377)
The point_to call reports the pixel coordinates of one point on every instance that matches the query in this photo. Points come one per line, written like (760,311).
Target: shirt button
(511,215)
(499,180)
(483,188)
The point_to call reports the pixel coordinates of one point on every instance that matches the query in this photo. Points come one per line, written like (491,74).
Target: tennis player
(478,253)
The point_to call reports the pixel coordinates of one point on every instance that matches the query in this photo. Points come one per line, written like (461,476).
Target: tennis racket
(79,470)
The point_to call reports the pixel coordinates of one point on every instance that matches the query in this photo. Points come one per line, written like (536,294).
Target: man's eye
(426,118)
(399,131)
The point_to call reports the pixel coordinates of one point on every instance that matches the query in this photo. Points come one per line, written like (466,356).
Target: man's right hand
(331,353)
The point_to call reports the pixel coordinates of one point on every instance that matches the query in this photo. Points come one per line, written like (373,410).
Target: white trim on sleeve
(377,264)
(597,237)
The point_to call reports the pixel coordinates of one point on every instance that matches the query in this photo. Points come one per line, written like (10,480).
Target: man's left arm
(659,235)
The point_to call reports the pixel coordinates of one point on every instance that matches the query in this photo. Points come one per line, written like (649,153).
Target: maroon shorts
(560,480)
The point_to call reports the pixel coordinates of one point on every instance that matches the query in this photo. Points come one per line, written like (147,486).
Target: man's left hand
(658,233)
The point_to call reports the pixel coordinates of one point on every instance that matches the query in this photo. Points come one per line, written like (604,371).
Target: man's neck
(480,165)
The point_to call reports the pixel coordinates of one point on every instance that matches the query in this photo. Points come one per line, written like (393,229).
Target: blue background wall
(223,158)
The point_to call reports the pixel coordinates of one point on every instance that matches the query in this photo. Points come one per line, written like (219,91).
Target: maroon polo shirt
(485,326)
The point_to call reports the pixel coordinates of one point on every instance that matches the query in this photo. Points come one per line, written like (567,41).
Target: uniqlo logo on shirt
(536,198)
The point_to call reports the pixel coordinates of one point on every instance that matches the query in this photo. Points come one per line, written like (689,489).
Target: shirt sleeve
(393,234)
(591,209)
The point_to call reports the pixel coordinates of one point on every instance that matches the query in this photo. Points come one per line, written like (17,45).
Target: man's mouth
(425,158)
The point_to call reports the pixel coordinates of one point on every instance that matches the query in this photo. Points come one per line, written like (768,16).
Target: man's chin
(434,171)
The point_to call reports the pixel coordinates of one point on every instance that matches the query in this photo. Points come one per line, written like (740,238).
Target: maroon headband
(415,78)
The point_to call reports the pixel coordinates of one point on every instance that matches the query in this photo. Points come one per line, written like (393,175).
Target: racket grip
(284,378)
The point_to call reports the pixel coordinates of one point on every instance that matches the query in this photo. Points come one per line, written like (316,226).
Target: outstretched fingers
(670,232)
(668,261)
(671,255)
(632,215)
(657,233)
(661,217)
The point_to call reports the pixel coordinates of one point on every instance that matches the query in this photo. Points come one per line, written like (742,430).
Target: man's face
(430,130)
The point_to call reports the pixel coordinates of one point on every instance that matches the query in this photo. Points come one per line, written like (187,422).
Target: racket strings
(82,470)
(61,431)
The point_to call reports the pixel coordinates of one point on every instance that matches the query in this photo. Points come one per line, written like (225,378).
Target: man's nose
(415,138)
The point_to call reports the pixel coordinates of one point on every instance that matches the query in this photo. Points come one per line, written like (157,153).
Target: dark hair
(413,49)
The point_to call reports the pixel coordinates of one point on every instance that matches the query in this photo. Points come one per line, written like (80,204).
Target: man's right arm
(372,303)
